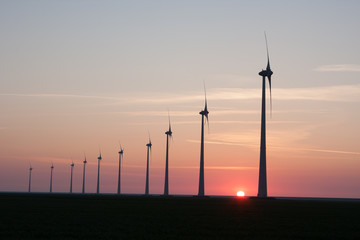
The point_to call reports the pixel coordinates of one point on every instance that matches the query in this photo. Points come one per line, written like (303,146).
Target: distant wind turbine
(168,135)
(71,176)
(121,152)
(30,169)
(147,167)
(203,113)
(98,175)
(262,190)
(83,186)
(51,175)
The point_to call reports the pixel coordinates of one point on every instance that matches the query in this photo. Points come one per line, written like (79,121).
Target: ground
(65,216)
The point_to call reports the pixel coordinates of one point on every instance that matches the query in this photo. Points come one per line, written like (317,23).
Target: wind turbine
(121,152)
(203,113)
(71,176)
(30,169)
(168,135)
(262,190)
(147,167)
(98,176)
(83,186)
(51,175)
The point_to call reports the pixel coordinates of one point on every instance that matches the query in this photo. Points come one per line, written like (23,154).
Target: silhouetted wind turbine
(203,113)
(168,135)
(98,175)
(262,190)
(121,152)
(30,169)
(71,176)
(51,175)
(83,186)
(147,167)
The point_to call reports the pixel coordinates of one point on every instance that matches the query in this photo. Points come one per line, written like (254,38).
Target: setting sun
(240,194)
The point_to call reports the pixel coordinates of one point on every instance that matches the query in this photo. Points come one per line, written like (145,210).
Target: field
(64,216)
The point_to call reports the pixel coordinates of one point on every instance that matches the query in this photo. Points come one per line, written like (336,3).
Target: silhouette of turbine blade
(206,110)
(269,77)
(150,157)
(269,72)
(122,157)
(267,52)
(169,123)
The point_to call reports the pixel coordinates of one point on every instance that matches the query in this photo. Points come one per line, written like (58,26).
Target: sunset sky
(79,76)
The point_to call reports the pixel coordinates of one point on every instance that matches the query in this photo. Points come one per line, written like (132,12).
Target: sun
(240,194)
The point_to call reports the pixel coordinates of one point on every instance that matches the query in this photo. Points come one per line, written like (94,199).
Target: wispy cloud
(339,68)
(279,147)
(342,93)
(51,95)
(197,167)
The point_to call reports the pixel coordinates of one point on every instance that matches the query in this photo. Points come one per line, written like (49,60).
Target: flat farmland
(65,216)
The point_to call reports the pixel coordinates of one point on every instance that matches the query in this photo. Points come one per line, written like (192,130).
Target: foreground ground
(57,216)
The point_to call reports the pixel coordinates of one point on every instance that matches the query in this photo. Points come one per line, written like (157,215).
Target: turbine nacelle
(204,112)
(266,73)
(99,158)
(72,164)
(149,144)
(121,151)
(169,133)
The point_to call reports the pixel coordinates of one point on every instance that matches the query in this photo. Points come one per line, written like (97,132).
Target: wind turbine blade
(150,154)
(122,159)
(267,52)
(207,122)
(205,97)
(169,122)
(269,77)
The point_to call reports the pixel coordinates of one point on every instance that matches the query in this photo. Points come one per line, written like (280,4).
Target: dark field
(62,216)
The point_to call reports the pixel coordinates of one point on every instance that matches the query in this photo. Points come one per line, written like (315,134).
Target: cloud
(197,167)
(339,68)
(51,95)
(278,147)
(340,93)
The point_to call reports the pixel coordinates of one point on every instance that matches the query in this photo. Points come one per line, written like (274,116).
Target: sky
(78,77)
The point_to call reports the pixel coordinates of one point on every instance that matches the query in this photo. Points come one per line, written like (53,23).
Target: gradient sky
(77,76)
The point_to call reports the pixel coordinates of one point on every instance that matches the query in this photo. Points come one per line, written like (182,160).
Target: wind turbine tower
(147,167)
(168,135)
(98,175)
(121,152)
(71,176)
(51,175)
(262,190)
(83,186)
(30,169)
(204,114)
